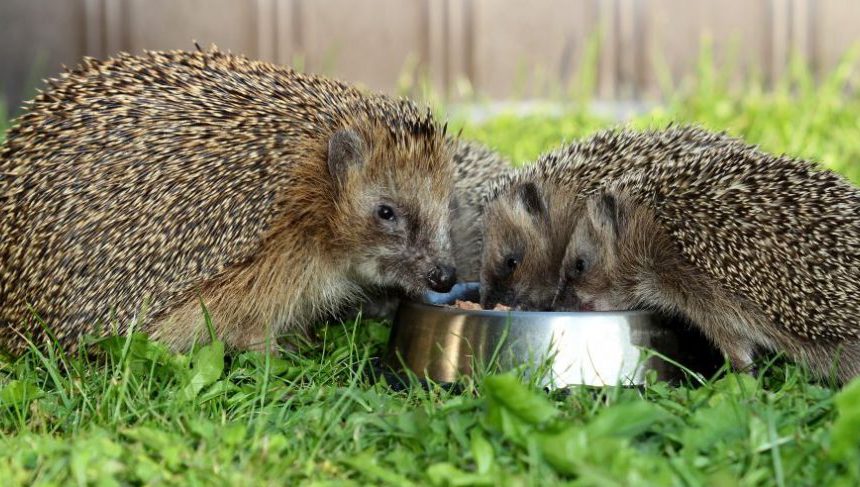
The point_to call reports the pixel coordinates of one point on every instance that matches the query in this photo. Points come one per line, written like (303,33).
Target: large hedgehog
(136,187)
(758,251)
(529,213)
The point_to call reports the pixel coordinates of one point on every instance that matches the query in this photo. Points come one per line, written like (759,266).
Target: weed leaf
(206,368)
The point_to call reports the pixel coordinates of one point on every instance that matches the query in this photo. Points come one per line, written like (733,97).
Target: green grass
(142,415)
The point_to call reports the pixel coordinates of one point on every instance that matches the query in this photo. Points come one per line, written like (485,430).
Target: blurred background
(522,76)
(634,50)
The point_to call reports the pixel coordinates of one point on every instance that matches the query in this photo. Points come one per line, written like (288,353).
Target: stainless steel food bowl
(441,343)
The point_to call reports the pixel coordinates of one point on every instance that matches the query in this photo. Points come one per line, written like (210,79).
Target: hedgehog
(138,187)
(475,166)
(529,213)
(760,252)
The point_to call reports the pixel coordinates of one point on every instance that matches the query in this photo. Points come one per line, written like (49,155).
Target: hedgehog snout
(491,296)
(495,290)
(565,298)
(533,300)
(442,277)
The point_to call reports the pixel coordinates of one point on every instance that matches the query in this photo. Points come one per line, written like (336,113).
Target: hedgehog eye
(509,265)
(385,212)
(579,267)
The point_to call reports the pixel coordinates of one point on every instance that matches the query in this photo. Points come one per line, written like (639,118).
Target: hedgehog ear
(606,213)
(345,150)
(530,197)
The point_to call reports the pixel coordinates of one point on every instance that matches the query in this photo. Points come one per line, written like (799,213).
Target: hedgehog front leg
(735,333)
(254,338)
(730,325)
(237,328)
(740,355)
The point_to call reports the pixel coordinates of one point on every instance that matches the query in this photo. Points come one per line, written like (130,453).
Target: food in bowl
(473,306)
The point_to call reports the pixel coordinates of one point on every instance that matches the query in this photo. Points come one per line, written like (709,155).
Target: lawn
(317,416)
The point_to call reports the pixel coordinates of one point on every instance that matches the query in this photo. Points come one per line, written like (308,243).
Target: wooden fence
(498,48)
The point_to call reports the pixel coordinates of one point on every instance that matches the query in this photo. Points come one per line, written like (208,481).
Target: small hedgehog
(475,166)
(136,187)
(755,250)
(529,213)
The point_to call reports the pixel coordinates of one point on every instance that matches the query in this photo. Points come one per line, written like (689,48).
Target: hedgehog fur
(529,213)
(758,251)
(476,166)
(133,188)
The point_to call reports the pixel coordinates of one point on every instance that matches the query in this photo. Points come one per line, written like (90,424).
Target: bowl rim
(448,310)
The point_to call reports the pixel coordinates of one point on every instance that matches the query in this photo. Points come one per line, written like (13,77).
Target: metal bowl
(441,343)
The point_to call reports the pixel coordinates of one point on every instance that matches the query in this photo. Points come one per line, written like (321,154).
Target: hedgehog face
(518,250)
(395,206)
(586,282)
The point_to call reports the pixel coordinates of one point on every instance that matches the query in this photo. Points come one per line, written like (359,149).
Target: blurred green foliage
(819,121)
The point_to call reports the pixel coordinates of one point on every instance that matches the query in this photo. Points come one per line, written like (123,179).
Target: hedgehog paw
(741,360)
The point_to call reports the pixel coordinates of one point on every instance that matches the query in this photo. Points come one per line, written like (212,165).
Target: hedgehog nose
(442,278)
(565,298)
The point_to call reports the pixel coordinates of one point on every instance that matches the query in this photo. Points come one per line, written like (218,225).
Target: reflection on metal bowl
(441,343)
